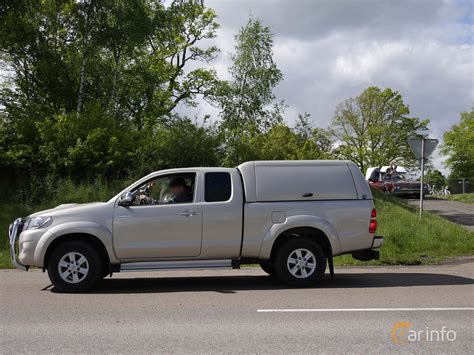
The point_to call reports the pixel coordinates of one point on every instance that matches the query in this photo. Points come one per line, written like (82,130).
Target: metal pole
(422,173)
(463,185)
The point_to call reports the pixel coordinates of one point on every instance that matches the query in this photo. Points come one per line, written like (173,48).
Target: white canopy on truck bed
(301,180)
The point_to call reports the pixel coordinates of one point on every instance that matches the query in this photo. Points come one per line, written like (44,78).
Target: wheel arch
(311,233)
(90,239)
(312,227)
(89,232)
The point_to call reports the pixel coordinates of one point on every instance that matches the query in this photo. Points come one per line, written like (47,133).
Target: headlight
(37,222)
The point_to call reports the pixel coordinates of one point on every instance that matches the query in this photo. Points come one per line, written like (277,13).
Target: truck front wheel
(300,262)
(74,266)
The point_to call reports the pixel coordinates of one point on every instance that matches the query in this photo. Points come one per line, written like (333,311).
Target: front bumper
(13,233)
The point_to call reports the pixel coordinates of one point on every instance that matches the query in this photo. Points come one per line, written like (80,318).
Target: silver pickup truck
(291,217)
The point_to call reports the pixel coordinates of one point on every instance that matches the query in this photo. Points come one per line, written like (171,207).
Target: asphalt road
(458,212)
(217,311)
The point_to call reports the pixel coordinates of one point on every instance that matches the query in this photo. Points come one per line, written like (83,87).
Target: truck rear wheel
(300,262)
(74,266)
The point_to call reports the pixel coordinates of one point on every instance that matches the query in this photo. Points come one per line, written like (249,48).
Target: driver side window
(168,189)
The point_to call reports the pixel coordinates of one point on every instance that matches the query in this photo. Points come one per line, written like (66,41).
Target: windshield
(395,176)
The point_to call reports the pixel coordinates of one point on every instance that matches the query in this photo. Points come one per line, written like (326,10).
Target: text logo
(404,332)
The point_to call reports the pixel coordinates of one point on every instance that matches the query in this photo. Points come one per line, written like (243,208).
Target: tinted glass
(217,187)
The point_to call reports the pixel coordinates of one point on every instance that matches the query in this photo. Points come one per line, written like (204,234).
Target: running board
(170,265)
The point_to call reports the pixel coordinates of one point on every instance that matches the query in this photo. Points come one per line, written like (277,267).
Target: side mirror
(126,199)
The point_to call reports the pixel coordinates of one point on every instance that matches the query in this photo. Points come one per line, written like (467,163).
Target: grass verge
(408,241)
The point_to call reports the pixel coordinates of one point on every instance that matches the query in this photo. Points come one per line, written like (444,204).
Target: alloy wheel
(301,263)
(73,267)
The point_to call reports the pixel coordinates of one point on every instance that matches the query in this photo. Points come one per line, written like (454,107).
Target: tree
(183,143)
(458,146)
(281,142)
(247,101)
(136,60)
(372,129)
(254,76)
(315,143)
(67,53)
(284,143)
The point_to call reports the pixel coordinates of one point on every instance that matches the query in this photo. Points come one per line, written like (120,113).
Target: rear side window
(217,187)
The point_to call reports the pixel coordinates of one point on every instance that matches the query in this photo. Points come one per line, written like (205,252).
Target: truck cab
(154,225)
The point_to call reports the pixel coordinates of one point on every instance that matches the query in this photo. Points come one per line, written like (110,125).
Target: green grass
(465,198)
(8,212)
(5,260)
(408,241)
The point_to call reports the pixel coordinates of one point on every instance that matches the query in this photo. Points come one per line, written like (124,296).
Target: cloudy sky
(331,50)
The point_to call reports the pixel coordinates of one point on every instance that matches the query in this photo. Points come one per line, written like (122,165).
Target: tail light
(373,221)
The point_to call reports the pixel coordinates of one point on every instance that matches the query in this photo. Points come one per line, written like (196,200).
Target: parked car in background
(291,217)
(396,182)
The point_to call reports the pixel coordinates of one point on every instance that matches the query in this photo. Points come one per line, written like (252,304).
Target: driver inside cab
(180,191)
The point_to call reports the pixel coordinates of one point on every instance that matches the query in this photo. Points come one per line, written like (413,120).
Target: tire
(74,266)
(294,260)
(267,267)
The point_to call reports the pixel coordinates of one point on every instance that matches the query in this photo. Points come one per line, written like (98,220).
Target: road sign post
(422,148)
(422,175)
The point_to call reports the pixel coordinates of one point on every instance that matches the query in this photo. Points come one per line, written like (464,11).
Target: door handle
(188,213)
(307,194)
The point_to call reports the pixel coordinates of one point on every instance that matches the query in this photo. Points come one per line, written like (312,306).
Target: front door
(164,220)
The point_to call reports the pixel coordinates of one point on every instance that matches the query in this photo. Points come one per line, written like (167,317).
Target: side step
(173,265)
